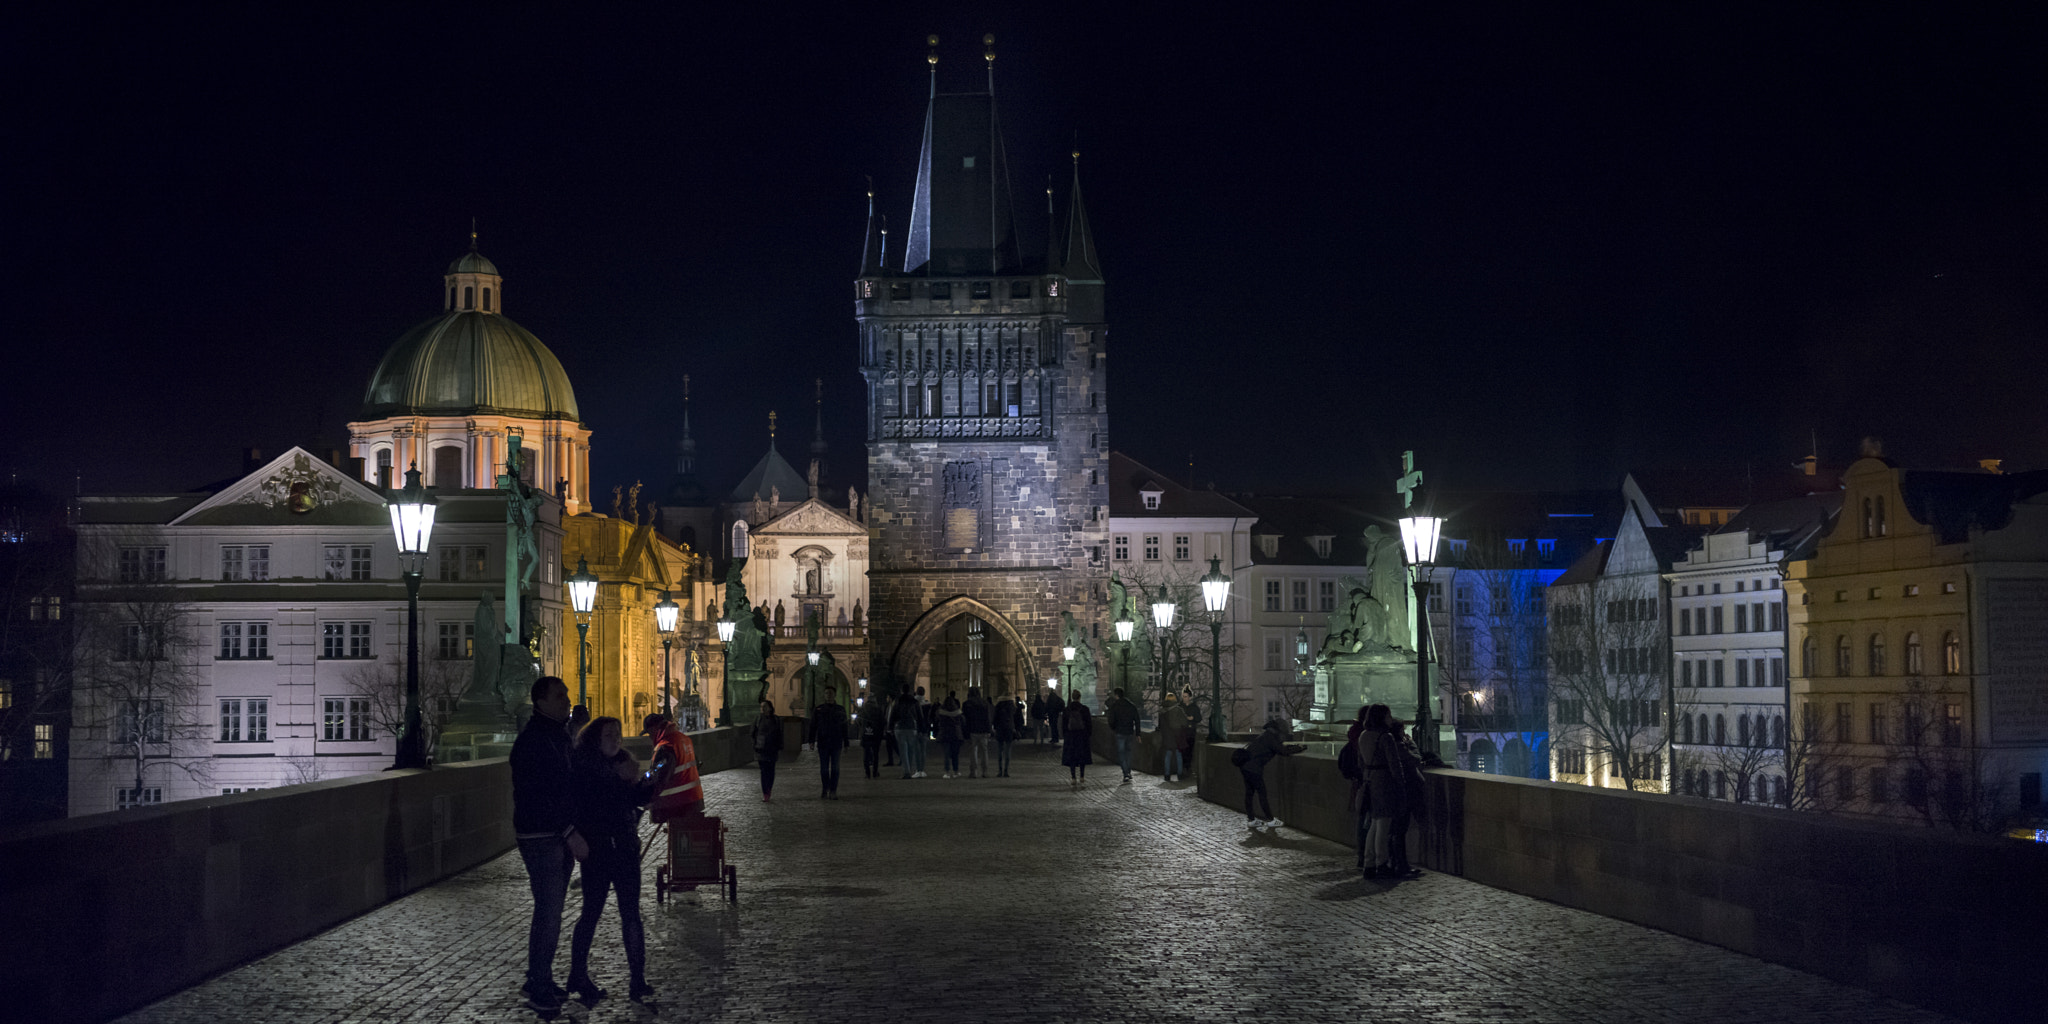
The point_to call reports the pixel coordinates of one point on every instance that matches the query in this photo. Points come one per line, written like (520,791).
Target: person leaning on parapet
(903,721)
(950,725)
(544,822)
(1173,723)
(767,737)
(1008,724)
(874,735)
(828,738)
(609,793)
(1267,745)
(1077,727)
(979,721)
(1123,728)
(1038,718)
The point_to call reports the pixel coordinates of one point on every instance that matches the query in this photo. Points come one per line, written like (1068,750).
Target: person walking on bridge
(950,725)
(1123,728)
(978,720)
(767,738)
(1055,723)
(1077,728)
(1037,718)
(828,738)
(1173,721)
(1008,724)
(544,822)
(903,720)
(1267,745)
(874,734)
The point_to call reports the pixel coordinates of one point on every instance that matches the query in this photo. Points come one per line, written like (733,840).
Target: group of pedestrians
(1386,791)
(577,797)
(825,732)
(974,725)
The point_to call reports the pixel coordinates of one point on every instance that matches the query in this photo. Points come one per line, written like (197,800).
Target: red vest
(681,792)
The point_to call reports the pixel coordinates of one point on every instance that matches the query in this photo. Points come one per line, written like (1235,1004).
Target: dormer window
(1457,549)
(1152,499)
(1517,548)
(1322,546)
(1546,549)
(1269,543)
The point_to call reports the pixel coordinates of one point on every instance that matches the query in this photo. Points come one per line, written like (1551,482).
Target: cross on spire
(1410,481)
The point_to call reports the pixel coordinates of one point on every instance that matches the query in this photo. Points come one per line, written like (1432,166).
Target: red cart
(696,856)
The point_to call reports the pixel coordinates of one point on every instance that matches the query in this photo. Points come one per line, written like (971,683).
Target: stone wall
(107,912)
(1943,920)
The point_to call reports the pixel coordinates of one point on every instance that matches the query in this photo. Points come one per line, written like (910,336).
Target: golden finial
(686,387)
(472,234)
(932,58)
(989,41)
(771,428)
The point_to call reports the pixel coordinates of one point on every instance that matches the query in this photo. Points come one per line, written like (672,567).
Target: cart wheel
(661,884)
(732,884)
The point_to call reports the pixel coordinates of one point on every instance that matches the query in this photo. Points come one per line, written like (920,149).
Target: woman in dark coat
(767,746)
(1077,728)
(1379,754)
(609,794)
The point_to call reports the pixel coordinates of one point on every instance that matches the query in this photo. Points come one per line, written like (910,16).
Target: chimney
(1990,465)
(1810,465)
(355,468)
(252,459)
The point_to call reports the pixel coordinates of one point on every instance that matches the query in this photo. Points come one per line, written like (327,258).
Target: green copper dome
(472,262)
(468,361)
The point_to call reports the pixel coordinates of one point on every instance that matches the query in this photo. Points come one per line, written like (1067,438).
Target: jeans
(952,755)
(889,747)
(767,764)
(977,753)
(1397,840)
(547,872)
(614,863)
(905,741)
(1124,742)
(828,767)
(1255,786)
(1173,762)
(1003,756)
(870,758)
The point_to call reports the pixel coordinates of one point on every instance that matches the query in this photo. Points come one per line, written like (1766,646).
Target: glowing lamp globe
(412,514)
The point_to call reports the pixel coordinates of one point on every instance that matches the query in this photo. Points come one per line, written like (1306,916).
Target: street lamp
(1419,536)
(1162,617)
(811,677)
(665,612)
(1124,628)
(412,520)
(583,596)
(1067,657)
(1215,596)
(725,633)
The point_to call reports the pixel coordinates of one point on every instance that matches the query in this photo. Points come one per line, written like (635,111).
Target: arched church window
(468,297)
(448,466)
(487,300)
(384,467)
(451,296)
(739,538)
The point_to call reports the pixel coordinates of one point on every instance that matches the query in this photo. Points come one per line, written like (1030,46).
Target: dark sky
(1540,247)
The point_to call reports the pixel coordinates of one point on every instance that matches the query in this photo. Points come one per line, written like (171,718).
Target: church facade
(987,420)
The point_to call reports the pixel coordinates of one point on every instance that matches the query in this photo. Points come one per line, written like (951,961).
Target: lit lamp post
(725,632)
(412,520)
(811,677)
(1419,536)
(583,596)
(1215,597)
(1067,660)
(665,612)
(1124,628)
(1163,610)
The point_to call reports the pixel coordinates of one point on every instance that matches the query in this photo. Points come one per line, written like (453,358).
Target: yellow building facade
(635,565)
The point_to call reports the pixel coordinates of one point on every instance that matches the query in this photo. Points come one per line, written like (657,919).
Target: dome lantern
(473,283)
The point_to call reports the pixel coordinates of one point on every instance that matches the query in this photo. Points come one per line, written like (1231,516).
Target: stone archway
(926,630)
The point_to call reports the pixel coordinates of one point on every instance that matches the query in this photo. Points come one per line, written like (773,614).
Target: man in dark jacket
(1006,724)
(905,720)
(1054,708)
(1123,725)
(1267,745)
(979,720)
(544,822)
(874,735)
(828,738)
(1038,717)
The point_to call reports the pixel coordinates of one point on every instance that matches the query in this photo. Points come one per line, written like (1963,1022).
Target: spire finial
(686,389)
(989,41)
(771,428)
(818,423)
(472,234)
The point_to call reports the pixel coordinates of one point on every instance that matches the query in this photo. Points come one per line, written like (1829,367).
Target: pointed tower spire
(818,421)
(1079,258)
(1052,232)
(871,247)
(686,449)
(961,218)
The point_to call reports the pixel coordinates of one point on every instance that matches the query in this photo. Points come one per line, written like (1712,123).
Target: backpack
(1241,757)
(1348,764)
(1075,718)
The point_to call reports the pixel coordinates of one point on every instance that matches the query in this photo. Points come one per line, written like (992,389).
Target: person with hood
(828,738)
(1379,755)
(767,746)
(874,735)
(1173,721)
(1055,724)
(979,722)
(1008,724)
(1123,728)
(544,823)
(1077,728)
(609,793)
(903,721)
(951,727)
(1038,718)
(1271,742)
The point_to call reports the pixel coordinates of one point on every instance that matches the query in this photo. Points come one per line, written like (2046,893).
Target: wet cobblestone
(1021,899)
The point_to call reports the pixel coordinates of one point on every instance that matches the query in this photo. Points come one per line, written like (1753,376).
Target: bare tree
(1945,779)
(1608,657)
(138,687)
(382,682)
(1179,656)
(1817,770)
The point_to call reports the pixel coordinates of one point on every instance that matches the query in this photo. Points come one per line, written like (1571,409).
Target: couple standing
(1388,793)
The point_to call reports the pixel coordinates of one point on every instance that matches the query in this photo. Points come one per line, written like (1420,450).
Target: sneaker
(586,990)
(1126,782)
(1254,824)
(1273,823)
(546,998)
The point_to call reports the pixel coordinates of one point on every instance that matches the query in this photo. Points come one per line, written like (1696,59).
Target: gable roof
(1128,478)
(773,475)
(263,496)
(811,517)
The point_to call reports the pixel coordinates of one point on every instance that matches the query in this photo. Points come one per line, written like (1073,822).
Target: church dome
(466,361)
(472,262)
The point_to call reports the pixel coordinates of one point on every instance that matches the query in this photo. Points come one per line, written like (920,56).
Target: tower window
(978,290)
(468,297)
(1020,289)
(942,291)
(451,296)
(487,300)
(899,292)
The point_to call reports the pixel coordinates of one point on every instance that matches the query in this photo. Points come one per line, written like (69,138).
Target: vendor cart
(696,856)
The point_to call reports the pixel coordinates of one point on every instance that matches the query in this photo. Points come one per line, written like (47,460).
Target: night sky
(1539,246)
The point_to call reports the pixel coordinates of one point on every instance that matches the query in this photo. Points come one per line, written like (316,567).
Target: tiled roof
(1128,478)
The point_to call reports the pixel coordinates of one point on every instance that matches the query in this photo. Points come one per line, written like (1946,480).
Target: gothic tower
(987,422)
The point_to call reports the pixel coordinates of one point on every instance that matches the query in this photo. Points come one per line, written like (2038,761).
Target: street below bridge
(1022,899)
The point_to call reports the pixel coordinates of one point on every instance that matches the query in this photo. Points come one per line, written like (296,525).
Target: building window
(1183,547)
(450,561)
(942,291)
(45,608)
(250,562)
(345,561)
(244,719)
(142,565)
(141,721)
(1152,547)
(1809,657)
(1684,623)
(1120,547)
(1500,602)
(1842,655)
(345,639)
(1777,615)
(1717,618)
(1741,672)
(1876,658)
(1326,595)
(1951,654)
(46,741)
(1020,289)
(1951,725)
(1880,723)
(345,719)
(1777,671)
(1152,500)
(1272,595)
(1299,591)
(739,538)
(1546,550)
(1463,597)
(1321,545)
(244,641)
(1276,657)
(457,641)
(126,798)
(1915,662)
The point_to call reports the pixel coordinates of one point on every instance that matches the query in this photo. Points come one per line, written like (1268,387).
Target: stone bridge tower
(988,424)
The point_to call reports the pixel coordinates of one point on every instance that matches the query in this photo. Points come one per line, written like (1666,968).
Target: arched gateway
(1014,669)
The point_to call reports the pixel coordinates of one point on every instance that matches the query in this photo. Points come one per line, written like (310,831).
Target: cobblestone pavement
(1018,899)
